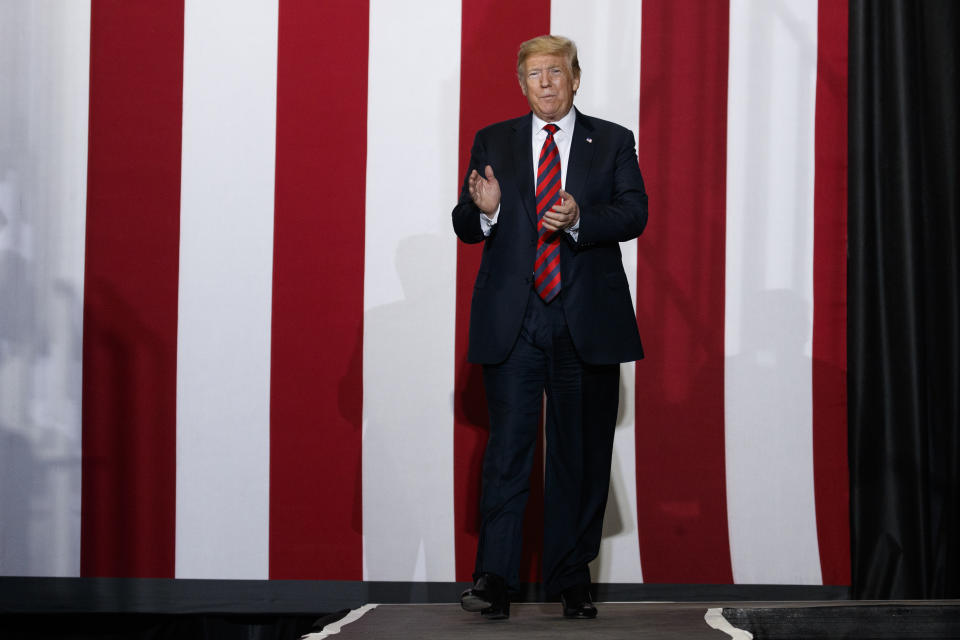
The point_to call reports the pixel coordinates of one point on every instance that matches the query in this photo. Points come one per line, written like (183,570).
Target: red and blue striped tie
(546,269)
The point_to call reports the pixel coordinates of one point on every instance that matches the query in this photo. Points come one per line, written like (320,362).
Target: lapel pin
(590,140)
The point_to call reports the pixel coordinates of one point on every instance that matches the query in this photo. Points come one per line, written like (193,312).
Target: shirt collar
(565,123)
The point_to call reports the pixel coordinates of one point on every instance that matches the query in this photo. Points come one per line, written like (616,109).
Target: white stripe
(607,34)
(336,627)
(715,620)
(45,73)
(409,291)
(769,292)
(226,259)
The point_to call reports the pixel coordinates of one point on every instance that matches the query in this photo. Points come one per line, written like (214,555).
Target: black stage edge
(146,626)
(316,597)
(914,620)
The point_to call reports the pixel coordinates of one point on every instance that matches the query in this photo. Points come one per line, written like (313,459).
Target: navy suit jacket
(604,178)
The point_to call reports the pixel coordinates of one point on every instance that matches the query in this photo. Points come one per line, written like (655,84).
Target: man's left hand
(563,215)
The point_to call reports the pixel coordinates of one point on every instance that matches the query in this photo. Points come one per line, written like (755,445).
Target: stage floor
(913,620)
(532,621)
(661,621)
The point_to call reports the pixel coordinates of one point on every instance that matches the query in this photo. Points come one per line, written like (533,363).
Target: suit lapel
(523,161)
(580,160)
(581,157)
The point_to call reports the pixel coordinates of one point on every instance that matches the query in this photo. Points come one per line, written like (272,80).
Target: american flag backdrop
(234,312)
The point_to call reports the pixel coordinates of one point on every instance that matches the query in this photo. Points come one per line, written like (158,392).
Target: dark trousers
(581,414)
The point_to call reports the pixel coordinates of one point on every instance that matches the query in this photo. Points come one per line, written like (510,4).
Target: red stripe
(490,42)
(831,479)
(130,290)
(681,496)
(546,157)
(545,291)
(316,381)
(547,202)
(551,250)
(554,189)
(550,269)
(543,181)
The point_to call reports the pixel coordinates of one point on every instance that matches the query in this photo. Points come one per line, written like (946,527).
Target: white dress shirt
(538,136)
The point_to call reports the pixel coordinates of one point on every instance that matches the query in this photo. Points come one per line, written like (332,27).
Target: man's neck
(565,123)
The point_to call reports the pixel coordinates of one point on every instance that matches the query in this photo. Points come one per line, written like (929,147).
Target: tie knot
(551,129)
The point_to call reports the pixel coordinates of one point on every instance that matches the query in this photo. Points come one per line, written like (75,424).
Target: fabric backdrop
(234,313)
(904,305)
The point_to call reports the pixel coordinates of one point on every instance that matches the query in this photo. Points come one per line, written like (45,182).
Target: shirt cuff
(487,224)
(574,231)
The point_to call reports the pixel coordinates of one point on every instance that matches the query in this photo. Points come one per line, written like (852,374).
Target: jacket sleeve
(625,215)
(466,215)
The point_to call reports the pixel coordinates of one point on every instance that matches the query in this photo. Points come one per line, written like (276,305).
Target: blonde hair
(548,46)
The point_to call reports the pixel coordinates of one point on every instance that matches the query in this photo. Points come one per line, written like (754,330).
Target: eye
(556,71)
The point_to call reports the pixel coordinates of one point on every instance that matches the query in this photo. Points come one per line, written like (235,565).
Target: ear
(576,84)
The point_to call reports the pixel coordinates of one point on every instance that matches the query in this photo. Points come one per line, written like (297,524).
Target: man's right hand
(485,191)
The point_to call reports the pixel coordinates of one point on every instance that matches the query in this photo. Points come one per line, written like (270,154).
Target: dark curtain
(904,298)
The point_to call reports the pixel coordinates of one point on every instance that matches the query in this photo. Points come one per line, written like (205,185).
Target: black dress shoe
(488,595)
(577,604)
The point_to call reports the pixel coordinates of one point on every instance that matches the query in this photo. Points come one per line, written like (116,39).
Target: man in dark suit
(550,194)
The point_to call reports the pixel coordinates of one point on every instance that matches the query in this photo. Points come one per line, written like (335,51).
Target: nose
(545,79)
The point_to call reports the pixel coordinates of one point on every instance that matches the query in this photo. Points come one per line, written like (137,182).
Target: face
(549,86)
